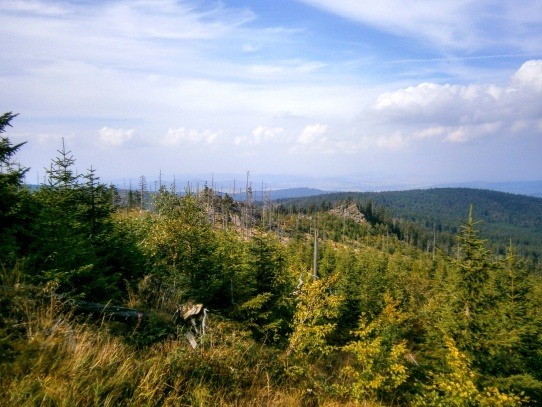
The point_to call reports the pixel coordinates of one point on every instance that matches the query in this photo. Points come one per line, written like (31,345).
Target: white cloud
(115,137)
(459,113)
(458,135)
(393,142)
(432,102)
(463,134)
(529,75)
(178,136)
(313,134)
(429,132)
(260,134)
(174,20)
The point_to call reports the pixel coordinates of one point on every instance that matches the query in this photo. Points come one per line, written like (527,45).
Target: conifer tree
(469,299)
(269,308)
(11,173)
(486,313)
(74,242)
(515,359)
(14,210)
(57,242)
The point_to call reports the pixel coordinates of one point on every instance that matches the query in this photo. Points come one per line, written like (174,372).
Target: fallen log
(192,316)
(110,312)
(95,310)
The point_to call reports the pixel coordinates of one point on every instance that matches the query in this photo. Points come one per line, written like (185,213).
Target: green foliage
(459,327)
(73,235)
(316,308)
(272,287)
(13,208)
(486,312)
(456,386)
(182,250)
(11,173)
(377,366)
(429,218)
(469,300)
(65,232)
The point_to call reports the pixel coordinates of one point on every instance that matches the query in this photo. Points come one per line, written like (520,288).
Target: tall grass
(49,358)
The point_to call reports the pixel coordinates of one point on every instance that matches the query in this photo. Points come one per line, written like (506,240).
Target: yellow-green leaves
(313,319)
(456,386)
(376,360)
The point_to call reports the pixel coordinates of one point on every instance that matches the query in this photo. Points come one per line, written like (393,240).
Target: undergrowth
(48,357)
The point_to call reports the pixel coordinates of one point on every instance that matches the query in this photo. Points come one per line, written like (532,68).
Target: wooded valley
(414,298)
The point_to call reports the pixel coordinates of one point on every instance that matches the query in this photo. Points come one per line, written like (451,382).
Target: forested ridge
(299,303)
(437,213)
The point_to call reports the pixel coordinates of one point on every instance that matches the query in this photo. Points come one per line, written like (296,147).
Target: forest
(423,217)
(192,298)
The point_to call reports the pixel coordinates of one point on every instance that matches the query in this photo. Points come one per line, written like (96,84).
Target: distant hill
(505,217)
(531,188)
(287,193)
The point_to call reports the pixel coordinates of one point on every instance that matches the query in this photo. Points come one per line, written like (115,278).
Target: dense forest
(205,300)
(424,216)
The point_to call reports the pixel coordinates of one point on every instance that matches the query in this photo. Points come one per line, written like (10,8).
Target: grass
(50,358)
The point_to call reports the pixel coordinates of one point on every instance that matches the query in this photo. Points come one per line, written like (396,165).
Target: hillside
(531,188)
(505,217)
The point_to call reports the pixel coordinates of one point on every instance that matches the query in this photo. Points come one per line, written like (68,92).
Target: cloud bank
(460,113)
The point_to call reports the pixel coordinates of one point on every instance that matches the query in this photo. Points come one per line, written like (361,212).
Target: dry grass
(50,359)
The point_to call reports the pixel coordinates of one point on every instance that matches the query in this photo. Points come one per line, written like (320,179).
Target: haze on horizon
(434,92)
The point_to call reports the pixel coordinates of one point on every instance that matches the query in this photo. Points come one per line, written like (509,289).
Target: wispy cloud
(36,7)
(458,25)
(287,67)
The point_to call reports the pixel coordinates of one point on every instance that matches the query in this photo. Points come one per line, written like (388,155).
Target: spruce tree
(488,313)
(469,301)
(14,210)
(73,236)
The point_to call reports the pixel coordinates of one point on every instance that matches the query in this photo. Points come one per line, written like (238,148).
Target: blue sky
(395,92)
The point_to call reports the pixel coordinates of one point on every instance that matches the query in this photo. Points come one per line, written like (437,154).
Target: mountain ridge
(507,218)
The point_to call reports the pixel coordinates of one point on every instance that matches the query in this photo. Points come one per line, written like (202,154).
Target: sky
(424,91)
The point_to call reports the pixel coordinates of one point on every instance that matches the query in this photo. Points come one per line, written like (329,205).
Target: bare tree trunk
(315,266)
